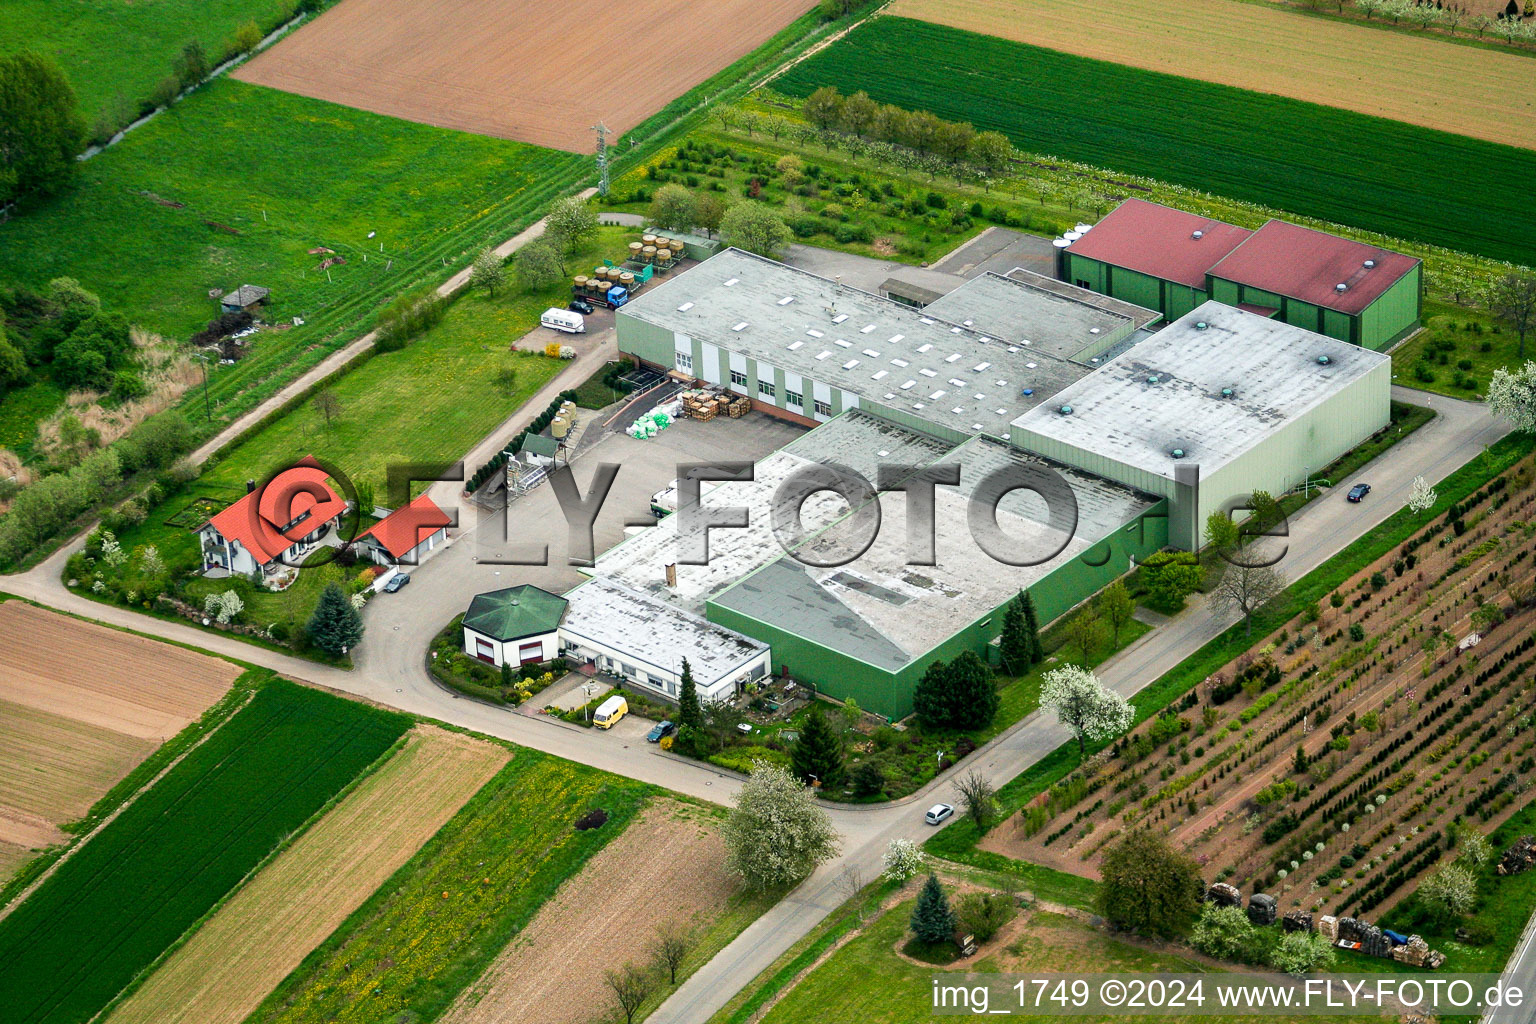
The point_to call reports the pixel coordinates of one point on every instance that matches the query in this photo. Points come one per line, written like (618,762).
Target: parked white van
(609,712)
(563,320)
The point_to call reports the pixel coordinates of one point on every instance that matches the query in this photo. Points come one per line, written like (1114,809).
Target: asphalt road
(391,666)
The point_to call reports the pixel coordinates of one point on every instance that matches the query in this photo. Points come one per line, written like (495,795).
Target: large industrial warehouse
(1172,261)
(1003,371)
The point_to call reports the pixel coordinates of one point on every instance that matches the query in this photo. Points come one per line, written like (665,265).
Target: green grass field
(1317,161)
(276,175)
(112,48)
(867,981)
(443,917)
(136,886)
(1457,352)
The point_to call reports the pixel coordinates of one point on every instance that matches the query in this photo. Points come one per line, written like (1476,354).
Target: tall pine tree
(932,918)
(335,627)
(818,752)
(959,694)
(1032,629)
(1014,648)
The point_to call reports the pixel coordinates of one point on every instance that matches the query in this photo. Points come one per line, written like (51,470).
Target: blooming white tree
(150,561)
(1084,705)
(1422,497)
(777,833)
(1475,848)
(224,607)
(1513,395)
(1298,953)
(111,551)
(903,859)
(1451,890)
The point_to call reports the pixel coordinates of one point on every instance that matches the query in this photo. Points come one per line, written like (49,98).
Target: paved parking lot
(401,626)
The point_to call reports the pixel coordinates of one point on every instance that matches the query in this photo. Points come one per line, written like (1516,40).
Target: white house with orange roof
(273,526)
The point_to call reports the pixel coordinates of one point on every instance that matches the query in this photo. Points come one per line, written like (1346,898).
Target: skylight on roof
(952,357)
(866,329)
(890,395)
(813,332)
(925,319)
(976,426)
(822,354)
(844,344)
(957,409)
(956,382)
(880,374)
(732,281)
(1031,365)
(685,307)
(871,353)
(917,405)
(840,318)
(1001,383)
(907,386)
(957,330)
(786,300)
(899,362)
(967,322)
(936,395)
(1012,349)
(740,327)
(850,364)
(927,373)
(1002,412)
(979,367)
(893,339)
(924,348)
(795,346)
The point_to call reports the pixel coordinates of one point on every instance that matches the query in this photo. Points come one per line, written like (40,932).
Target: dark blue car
(1359,491)
(662,730)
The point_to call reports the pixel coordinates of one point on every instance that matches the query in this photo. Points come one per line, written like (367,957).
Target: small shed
(407,534)
(517,626)
(244,298)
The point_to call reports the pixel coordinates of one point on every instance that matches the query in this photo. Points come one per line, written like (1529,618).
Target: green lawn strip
(122,51)
(790,964)
(1381,175)
(22,409)
(1454,336)
(958,841)
(444,916)
(114,906)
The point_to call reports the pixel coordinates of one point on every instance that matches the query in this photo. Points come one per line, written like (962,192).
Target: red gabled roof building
(1172,261)
(405,535)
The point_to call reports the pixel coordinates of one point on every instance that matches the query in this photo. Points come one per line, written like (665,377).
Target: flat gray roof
(885,612)
(854,439)
(906,359)
(1053,317)
(1272,369)
(655,634)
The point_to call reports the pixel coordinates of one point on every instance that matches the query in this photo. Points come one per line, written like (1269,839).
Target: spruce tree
(817,751)
(689,711)
(1015,648)
(973,698)
(1032,628)
(932,918)
(930,699)
(335,627)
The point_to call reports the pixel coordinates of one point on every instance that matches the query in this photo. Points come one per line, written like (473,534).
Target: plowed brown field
(80,706)
(540,71)
(667,867)
(1420,79)
(291,906)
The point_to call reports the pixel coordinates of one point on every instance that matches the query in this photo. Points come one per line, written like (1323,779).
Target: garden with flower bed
(1344,757)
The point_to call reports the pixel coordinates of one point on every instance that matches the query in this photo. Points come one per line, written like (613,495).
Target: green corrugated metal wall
(1394,313)
(890,693)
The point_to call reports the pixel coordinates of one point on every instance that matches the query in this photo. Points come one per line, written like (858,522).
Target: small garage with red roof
(406,535)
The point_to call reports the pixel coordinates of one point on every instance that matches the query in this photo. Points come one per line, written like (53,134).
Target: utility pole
(602,157)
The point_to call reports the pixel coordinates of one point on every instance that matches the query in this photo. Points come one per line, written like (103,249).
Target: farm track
(1418,79)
